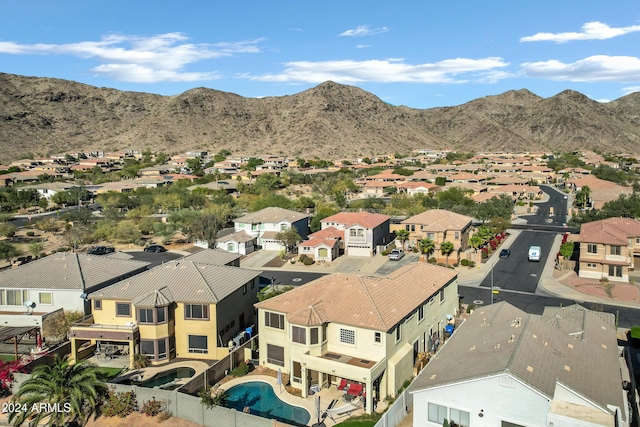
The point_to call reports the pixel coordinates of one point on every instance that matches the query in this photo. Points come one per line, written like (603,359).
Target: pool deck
(150,371)
(327,395)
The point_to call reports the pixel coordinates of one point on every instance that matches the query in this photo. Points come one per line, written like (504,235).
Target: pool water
(263,401)
(165,377)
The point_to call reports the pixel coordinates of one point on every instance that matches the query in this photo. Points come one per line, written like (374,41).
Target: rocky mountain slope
(45,116)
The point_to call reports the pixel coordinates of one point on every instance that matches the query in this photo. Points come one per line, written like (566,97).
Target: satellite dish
(29,304)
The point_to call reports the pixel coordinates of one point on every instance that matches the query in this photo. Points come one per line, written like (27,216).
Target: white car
(396,254)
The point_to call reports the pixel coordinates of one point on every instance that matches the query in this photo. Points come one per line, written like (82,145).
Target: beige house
(367,331)
(186,308)
(440,225)
(363,231)
(609,248)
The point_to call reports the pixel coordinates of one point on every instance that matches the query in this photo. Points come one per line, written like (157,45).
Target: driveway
(390,266)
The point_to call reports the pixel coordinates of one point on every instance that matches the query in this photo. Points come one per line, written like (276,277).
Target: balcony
(86,328)
(345,366)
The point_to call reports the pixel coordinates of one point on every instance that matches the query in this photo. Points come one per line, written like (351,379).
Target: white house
(238,243)
(265,224)
(504,367)
(363,231)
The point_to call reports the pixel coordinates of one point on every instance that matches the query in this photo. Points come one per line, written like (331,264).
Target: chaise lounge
(355,389)
(342,385)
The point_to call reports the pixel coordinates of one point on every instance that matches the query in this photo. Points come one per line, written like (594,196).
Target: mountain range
(41,116)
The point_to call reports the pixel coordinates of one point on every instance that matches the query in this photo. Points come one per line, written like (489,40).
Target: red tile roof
(365,219)
(610,231)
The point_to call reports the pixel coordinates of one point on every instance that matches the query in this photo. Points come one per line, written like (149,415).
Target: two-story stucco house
(183,308)
(266,223)
(58,281)
(440,225)
(609,248)
(365,330)
(505,367)
(363,231)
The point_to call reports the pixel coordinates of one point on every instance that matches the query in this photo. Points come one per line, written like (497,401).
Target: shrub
(384,253)
(455,264)
(432,260)
(472,263)
(164,416)
(470,308)
(241,370)
(415,249)
(308,261)
(31,233)
(464,262)
(302,258)
(151,408)
(119,404)
(441,264)
(208,399)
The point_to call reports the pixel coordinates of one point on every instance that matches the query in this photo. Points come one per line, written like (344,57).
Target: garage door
(358,251)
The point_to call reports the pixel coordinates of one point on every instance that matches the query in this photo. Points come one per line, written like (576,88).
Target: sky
(418,53)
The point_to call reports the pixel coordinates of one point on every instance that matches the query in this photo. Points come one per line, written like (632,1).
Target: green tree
(323,210)
(8,251)
(582,197)
(402,235)
(427,247)
(7,229)
(446,248)
(288,238)
(566,250)
(205,227)
(36,248)
(76,389)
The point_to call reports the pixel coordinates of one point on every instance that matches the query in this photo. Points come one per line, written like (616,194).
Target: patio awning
(13,332)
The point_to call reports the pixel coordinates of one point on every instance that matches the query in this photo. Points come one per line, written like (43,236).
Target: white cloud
(630,89)
(364,30)
(151,59)
(590,31)
(598,68)
(381,71)
(362,46)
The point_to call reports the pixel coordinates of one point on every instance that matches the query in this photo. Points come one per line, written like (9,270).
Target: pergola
(16,333)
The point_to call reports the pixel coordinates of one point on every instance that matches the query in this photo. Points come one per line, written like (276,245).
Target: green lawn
(110,372)
(7,357)
(360,421)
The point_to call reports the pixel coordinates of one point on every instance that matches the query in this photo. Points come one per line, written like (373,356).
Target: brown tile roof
(377,303)
(439,220)
(366,219)
(328,233)
(318,241)
(610,231)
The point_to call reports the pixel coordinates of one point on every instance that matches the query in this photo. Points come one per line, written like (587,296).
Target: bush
(308,261)
(455,264)
(432,260)
(464,262)
(119,404)
(384,253)
(470,308)
(209,400)
(31,233)
(241,370)
(415,249)
(302,258)
(472,264)
(441,264)
(151,408)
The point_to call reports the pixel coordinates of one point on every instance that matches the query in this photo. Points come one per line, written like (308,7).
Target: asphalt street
(517,273)
(551,212)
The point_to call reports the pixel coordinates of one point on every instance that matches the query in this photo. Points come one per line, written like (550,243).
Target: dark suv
(101,250)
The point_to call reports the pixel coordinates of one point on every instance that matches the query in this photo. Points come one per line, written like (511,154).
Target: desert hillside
(46,116)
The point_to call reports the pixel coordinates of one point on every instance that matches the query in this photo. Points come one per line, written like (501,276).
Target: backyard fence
(397,411)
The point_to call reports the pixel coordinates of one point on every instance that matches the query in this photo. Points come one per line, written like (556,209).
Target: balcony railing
(87,322)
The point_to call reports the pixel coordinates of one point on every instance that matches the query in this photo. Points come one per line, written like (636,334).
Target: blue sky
(421,54)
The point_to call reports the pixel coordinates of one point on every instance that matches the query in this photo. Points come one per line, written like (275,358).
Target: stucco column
(131,352)
(369,398)
(305,384)
(74,352)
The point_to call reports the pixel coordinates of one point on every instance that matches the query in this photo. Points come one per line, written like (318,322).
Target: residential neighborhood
(384,288)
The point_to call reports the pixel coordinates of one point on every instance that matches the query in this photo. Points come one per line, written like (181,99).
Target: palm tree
(446,248)
(426,247)
(402,235)
(71,392)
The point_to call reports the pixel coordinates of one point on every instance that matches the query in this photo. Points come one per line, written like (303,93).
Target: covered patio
(17,334)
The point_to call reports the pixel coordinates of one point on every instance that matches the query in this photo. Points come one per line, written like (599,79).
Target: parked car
(505,253)
(396,254)
(101,250)
(155,248)
(535,252)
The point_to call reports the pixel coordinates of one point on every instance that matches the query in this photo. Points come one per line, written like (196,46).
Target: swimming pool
(159,379)
(263,401)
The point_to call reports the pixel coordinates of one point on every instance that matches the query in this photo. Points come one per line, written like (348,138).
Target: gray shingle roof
(184,281)
(69,271)
(212,256)
(272,215)
(540,351)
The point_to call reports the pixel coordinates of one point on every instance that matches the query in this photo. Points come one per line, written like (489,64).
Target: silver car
(396,254)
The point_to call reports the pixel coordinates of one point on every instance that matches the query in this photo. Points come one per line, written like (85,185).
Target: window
(324,332)
(161,314)
(398,334)
(275,355)
(196,311)
(406,227)
(592,248)
(145,315)
(254,227)
(615,270)
(162,348)
(413,227)
(456,235)
(97,304)
(231,247)
(432,300)
(244,289)
(314,336)
(591,265)
(431,236)
(147,348)
(420,313)
(441,295)
(348,336)
(45,298)
(15,297)
(123,309)
(437,413)
(377,337)
(638,240)
(461,418)
(198,344)
(274,320)
(615,250)
(298,335)
(284,227)
(352,233)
